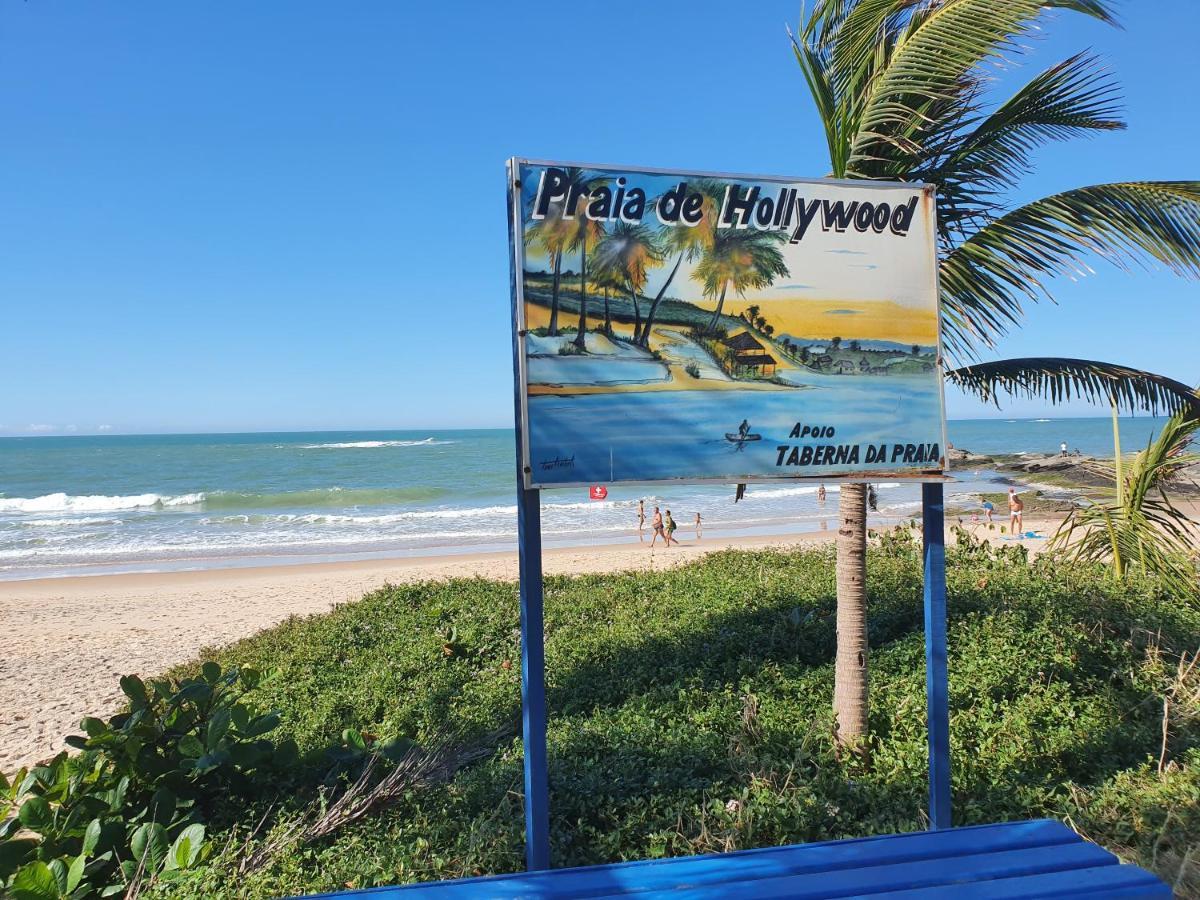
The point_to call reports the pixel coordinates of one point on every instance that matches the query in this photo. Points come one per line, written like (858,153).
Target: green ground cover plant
(690,712)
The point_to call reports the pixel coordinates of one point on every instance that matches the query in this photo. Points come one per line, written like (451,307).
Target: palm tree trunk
(637,312)
(712,325)
(645,335)
(1120,475)
(553,329)
(850,673)
(607,315)
(579,338)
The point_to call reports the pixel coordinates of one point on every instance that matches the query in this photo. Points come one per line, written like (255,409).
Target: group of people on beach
(662,525)
(1016,511)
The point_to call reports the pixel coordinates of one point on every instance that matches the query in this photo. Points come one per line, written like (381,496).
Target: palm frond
(1097,9)
(1068,99)
(1059,379)
(985,278)
(930,64)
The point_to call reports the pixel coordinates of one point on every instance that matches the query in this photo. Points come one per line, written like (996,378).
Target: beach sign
(731,328)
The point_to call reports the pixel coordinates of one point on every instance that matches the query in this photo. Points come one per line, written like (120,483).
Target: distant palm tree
(1139,529)
(689,242)
(625,254)
(751,312)
(768,330)
(744,260)
(900,88)
(607,279)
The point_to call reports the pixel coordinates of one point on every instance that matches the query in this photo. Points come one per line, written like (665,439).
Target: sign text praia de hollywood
(682,326)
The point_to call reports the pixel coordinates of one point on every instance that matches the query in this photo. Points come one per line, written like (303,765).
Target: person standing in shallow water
(821,494)
(699,527)
(641,520)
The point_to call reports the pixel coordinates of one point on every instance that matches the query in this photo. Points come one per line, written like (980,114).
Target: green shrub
(130,807)
(690,712)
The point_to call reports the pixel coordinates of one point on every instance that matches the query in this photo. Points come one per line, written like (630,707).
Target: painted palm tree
(585,235)
(688,243)
(626,254)
(746,259)
(901,89)
(551,235)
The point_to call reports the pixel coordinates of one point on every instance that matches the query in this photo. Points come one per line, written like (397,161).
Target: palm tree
(1139,529)
(585,235)
(901,90)
(744,260)
(551,234)
(626,254)
(751,312)
(688,242)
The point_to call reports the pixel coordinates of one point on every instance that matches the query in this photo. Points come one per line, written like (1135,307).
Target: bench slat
(961,873)
(742,865)
(1102,883)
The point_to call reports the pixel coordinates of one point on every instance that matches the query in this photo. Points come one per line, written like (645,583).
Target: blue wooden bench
(1020,859)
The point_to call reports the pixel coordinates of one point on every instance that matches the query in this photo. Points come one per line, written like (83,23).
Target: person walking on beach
(641,519)
(656,525)
(699,527)
(670,530)
(988,508)
(1015,510)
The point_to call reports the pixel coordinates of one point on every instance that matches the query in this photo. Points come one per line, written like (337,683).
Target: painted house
(744,343)
(756,363)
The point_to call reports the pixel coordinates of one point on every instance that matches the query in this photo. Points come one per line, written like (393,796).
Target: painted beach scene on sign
(679,326)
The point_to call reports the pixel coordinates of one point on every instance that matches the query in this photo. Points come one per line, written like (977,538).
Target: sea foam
(62,502)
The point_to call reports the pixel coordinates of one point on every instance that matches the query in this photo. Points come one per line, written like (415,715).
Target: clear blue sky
(268,215)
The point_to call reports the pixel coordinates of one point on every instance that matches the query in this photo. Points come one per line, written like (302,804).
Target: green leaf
(189,745)
(58,869)
(35,814)
(116,797)
(211,671)
(135,689)
(354,738)
(262,724)
(91,836)
(150,843)
(218,727)
(162,806)
(186,849)
(75,873)
(93,727)
(34,882)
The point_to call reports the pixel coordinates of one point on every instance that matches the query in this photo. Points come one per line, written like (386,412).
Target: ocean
(87,505)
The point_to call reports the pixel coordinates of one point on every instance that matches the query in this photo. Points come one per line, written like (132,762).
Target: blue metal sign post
(533,657)
(933,523)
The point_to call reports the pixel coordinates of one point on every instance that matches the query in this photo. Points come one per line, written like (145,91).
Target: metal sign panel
(730,328)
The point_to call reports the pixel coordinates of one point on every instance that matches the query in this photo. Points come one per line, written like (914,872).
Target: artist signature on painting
(559,462)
